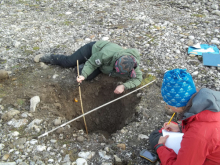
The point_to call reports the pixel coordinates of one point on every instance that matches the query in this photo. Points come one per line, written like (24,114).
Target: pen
(171,118)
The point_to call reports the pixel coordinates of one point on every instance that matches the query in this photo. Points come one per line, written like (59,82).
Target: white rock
(57,121)
(195,73)
(15,133)
(68,13)
(17,123)
(142,136)
(50,161)
(41,148)
(34,101)
(1,146)
(103,155)
(81,161)
(35,121)
(87,39)
(43,65)
(117,159)
(53,140)
(86,155)
(25,115)
(33,141)
(177,51)
(49,148)
(191,37)
(217,12)
(17,44)
(105,38)
(11,150)
(55,76)
(215,42)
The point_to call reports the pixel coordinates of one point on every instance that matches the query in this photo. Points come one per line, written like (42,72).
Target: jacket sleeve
(193,151)
(92,64)
(134,82)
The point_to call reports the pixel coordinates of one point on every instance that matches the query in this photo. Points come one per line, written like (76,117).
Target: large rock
(34,101)
(10,114)
(3,74)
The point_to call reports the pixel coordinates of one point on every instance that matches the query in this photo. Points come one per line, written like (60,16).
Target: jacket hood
(205,99)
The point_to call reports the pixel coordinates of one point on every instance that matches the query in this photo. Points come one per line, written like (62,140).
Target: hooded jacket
(201,127)
(104,56)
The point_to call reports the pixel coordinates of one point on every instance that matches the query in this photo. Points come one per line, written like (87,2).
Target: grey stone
(80,138)
(10,114)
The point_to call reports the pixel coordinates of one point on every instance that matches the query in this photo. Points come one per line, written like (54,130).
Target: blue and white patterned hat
(177,87)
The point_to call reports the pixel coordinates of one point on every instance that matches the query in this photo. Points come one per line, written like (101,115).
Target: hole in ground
(57,98)
(109,118)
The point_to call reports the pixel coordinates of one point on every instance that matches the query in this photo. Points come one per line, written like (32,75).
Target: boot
(45,59)
(42,58)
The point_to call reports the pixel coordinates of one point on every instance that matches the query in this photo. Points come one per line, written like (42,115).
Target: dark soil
(58,97)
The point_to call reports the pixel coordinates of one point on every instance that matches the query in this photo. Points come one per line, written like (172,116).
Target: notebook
(174,140)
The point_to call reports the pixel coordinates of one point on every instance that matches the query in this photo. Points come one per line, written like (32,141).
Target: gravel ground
(161,30)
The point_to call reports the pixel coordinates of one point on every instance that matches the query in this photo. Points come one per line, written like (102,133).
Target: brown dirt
(57,97)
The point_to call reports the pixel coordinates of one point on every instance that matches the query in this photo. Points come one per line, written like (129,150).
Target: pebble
(5,157)
(103,155)
(57,122)
(142,136)
(121,146)
(80,138)
(191,37)
(81,161)
(86,155)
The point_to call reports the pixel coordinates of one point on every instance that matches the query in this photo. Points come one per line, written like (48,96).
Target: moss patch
(147,79)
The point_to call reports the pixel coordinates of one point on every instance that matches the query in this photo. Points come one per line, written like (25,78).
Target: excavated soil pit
(57,89)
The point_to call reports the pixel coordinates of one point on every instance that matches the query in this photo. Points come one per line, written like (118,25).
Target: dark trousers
(82,55)
(154,138)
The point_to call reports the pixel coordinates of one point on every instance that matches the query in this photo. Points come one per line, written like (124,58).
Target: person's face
(176,109)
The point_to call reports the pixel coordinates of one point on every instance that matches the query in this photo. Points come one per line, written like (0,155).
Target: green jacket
(104,56)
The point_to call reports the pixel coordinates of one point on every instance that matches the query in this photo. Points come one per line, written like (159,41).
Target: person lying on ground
(105,57)
(200,122)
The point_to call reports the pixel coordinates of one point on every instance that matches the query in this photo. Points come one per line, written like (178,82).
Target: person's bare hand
(163,139)
(80,79)
(171,127)
(119,89)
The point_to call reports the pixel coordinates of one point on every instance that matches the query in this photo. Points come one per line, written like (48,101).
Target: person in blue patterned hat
(200,122)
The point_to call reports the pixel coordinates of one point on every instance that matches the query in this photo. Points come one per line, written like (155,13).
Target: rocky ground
(161,30)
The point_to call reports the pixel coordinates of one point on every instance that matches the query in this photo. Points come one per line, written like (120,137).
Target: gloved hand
(154,138)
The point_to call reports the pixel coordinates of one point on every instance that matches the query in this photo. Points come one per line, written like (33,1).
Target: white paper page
(204,50)
(174,140)
(197,46)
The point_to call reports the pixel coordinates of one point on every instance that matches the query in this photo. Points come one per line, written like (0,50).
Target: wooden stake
(81,98)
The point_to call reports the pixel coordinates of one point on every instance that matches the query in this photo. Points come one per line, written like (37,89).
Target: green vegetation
(2,92)
(147,79)
(36,48)
(15,66)
(198,15)
(67,23)
(3,61)
(26,51)
(20,101)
